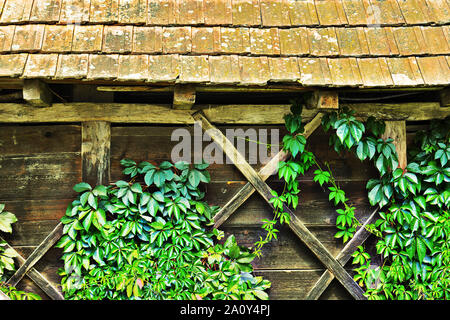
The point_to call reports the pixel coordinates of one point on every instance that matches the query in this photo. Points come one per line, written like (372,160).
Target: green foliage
(414,226)
(7,256)
(149,238)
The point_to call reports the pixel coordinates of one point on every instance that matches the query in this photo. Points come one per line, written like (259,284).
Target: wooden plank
(183,97)
(396,130)
(295,224)
(269,169)
(231,114)
(37,93)
(95,152)
(444,96)
(34,257)
(39,279)
(360,236)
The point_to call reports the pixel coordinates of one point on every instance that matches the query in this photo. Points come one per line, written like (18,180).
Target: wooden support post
(295,224)
(38,278)
(269,169)
(95,152)
(359,237)
(396,130)
(37,254)
(183,97)
(323,100)
(37,93)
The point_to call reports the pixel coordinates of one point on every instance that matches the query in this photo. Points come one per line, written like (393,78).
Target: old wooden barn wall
(39,164)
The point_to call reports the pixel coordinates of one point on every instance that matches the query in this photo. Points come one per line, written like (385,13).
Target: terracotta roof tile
(45,10)
(163,68)
(133,67)
(16,11)
(117,39)
(133,11)
(104,11)
(74,66)
(356,11)
(177,39)
(317,42)
(194,69)
(224,69)
(323,42)
(274,13)
(352,41)
(302,13)
(284,69)
(147,39)
(405,71)
(41,66)
(58,38)
(439,10)
(87,38)
(374,72)
(217,12)
(344,72)
(294,41)
(74,11)
(246,12)
(103,66)
(160,12)
(435,70)
(12,65)
(254,70)
(6,37)
(314,71)
(386,12)
(330,12)
(28,37)
(414,11)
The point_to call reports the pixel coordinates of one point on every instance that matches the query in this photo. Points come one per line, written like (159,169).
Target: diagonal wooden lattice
(257,182)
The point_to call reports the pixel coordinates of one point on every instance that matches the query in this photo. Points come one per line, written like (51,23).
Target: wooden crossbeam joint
(37,93)
(323,100)
(184,97)
(295,224)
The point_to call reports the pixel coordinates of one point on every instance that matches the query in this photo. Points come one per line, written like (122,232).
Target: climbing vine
(414,226)
(7,255)
(150,238)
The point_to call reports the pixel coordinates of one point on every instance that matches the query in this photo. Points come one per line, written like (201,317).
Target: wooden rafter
(295,224)
(184,97)
(37,93)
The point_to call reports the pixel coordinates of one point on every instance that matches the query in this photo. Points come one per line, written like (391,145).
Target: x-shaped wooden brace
(27,265)
(256,182)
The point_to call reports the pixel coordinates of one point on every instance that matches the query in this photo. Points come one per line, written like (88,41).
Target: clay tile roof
(248,42)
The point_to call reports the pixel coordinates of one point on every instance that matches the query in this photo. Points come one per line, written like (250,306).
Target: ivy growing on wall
(7,255)
(150,238)
(414,226)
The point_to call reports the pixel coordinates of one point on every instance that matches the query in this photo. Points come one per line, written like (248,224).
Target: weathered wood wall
(39,164)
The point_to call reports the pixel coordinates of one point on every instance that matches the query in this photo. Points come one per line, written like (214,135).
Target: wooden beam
(344,255)
(295,224)
(183,97)
(37,93)
(38,278)
(37,254)
(444,96)
(396,130)
(269,169)
(95,152)
(200,88)
(323,100)
(223,114)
